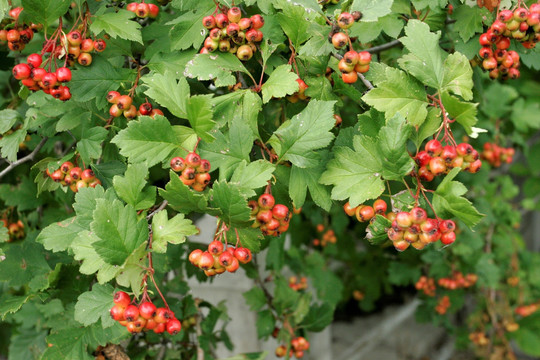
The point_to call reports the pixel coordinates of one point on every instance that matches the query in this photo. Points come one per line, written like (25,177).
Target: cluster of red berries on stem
(230,32)
(218,258)
(520,24)
(79,48)
(326,236)
(143,10)
(17,36)
(36,78)
(194,171)
(437,159)
(15,229)
(297,347)
(365,213)
(143,317)
(298,284)
(123,105)
(443,305)
(300,94)
(74,177)
(273,219)
(497,155)
(416,229)
(458,281)
(427,285)
(527,310)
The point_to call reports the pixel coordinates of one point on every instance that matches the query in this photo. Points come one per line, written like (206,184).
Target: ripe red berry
(437,166)
(204,166)
(348,209)
(37,74)
(131,313)
(178,164)
(142,10)
(257,21)
(34,60)
(266,201)
(162,315)
(215,247)
(484,40)
(226,259)
(75,173)
(364,213)
(203,179)
(145,108)
(429,225)
(21,71)
(419,215)
(447,226)
(63,74)
(485,52)
(153,11)
(131,113)
(195,256)
(221,20)
(66,167)
(209,22)
(448,238)
(339,40)
(233,266)
(13,36)
(113,97)
(115,111)
(345,20)
(117,312)
(280,211)
(245,24)
(121,298)
(349,77)
(88,175)
(264,216)
(234,14)
(100,45)
(380,206)
(174,326)
(124,102)
(464,149)
(206,261)
(147,310)
(74,38)
(243,255)
(434,147)
(404,219)
(85,59)
(87,45)
(364,58)
(193,159)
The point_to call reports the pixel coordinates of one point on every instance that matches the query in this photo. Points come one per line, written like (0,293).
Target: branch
(162,206)
(22,160)
(379,48)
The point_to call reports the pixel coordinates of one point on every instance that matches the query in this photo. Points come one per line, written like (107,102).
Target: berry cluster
(521,24)
(232,33)
(458,281)
(328,236)
(527,310)
(143,317)
(218,259)
(193,170)
(36,78)
(79,48)
(497,155)
(297,348)
(427,285)
(365,213)
(17,36)
(273,219)
(478,338)
(443,305)
(296,284)
(74,177)
(143,10)
(123,105)
(15,229)
(353,63)
(416,229)
(300,94)
(437,159)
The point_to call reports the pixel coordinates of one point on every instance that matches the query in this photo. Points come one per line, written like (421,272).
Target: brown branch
(162,206)
(379,48)
(22,160)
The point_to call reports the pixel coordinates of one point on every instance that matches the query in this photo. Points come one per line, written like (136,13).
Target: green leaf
(403,274)
(44,11)
(255,298)
(95,81)
(329,286)
(230,202)
(10,304)
(4,8)
(425,61)
(4,235)
(399,93)
(303,179)
(73,119)
(181,197)
(168,93)
(392,143)
(217,67)
(318,44)
(282,82)
(118,229)
(27,343)
(527,340)
(428,128)
(372,9)
(131,187)
(249,356)
(24,196)
(294,24)
(318,317)
(239,109)
(249,237)
(265,323)
(355,174)
(284,297)
(117,24)
(187,30)
(25,265)
(469,20)
(8,118)
(84,251)
(249,177)
(309,130)
(59,236)
(9,144)
(90,144)
(152,140)
(199,114)
(75,343)
(172,231)
(95,305)
(447,199)
(457,76)
(463,112)
(86,201)
(376,231)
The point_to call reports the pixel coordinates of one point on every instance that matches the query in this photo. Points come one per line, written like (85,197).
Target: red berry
(131,313)
(209,22)
(257,21)
(87,175)
(115,111)
(464,149)
(345,20)
(13,36)
(193,159)
(75,173)
(364,58)
(349,77)
(419,215)
(221,21)
(422,158)
(131,113)
(404,219)
(147,310)
(280,211)
(74,38)
(348,209)
(204,166)
(206,261)
(162,315)
(117,312)
(215,247)
(434,147)
(21,71)
(87,45)
(34,60)
(63,74)
(124,102)
(154,11)
(233,266)
(448,238)
(266,201)
(264,216)
(173,326)
(100,45)
(234,14)
(142,10)
(437,166)
(178,164)
(243,255)
(339,40)
(380,206)
(37,74)
(226,259)
(195,256)
(447,226)
(85,59)
(145,108)
(113,97)
(66,167)
(364,213)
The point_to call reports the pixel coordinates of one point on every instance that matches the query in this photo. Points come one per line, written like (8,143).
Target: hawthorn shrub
(395,143)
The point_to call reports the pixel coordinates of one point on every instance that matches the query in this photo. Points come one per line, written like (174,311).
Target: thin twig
(366,82)
(162,206)
(22,160)
(379,48)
